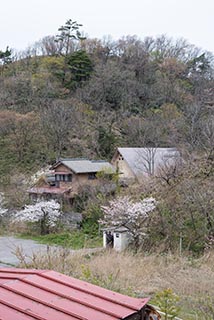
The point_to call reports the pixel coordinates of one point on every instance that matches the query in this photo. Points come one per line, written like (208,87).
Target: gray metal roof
(140,160)
(87,166)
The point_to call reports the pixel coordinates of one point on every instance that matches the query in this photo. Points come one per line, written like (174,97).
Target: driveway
(9,245)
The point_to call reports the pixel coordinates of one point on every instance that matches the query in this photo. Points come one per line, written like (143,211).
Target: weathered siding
(62,168)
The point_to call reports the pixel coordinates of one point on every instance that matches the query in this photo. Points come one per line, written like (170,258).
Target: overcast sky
(23,22)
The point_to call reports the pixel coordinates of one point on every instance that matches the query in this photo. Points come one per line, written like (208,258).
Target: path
(9,245)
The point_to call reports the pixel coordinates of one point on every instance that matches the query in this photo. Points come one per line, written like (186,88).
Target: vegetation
(45,214)
(179,285)
(74,240)
(122,212)
(77,97)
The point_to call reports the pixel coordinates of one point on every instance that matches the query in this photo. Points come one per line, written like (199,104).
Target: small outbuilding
(49,295)
(116,238)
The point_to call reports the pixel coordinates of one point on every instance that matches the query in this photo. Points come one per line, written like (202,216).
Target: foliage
(3,210)
(205,310)
(75,240)
(184,219)
(139,275)
(167,300)
(107,141)
(68,33)
(5,56)
(79,97)
(80,67)
(46,213)
(123,212)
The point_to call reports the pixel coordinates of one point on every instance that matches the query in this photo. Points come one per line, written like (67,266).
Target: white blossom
(123,212)
(48,211)
(3,211)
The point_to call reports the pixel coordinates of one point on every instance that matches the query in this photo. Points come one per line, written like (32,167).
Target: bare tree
(146,160)
(57,119)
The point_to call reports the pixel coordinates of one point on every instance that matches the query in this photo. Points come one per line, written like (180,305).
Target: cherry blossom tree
(3,211)
(123,212)
(45,213)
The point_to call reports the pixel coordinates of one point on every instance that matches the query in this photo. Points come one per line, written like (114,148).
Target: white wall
(121,240)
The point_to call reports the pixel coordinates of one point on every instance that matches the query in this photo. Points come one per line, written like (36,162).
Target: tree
(146,160)
(46,213)
(68,33)
(80,66)
(58,119)
(3,211)
(123,212)
(106,141)
(168,301)
(5,56)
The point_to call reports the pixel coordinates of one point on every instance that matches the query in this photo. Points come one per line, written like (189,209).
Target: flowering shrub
(46,213)
(123,212)
(3,211)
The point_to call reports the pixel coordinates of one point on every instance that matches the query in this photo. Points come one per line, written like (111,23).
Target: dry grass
(135,274)
(137,271)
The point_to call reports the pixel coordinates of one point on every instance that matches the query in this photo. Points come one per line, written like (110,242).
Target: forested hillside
(71,96)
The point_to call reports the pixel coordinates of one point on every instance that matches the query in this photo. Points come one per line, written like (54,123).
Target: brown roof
(49,295)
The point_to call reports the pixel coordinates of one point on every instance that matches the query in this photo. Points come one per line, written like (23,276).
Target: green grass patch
(75,240)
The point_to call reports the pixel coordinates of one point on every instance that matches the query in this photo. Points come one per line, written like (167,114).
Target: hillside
(84,97)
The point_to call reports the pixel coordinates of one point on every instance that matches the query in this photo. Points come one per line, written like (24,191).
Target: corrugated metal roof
(139,159)
(85,165)
(49,295)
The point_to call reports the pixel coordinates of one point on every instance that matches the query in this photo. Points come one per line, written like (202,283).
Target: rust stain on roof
(49,295)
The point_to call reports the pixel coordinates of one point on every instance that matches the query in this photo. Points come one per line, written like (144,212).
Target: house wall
(62,168)
(119,163)
(79,180)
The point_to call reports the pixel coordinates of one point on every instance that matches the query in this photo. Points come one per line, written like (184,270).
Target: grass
(140,275)
(74,240)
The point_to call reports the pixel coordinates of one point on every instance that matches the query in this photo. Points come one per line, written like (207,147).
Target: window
(64,177)
(92,176)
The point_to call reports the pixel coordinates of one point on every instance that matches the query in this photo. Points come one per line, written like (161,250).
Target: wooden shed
(49,295)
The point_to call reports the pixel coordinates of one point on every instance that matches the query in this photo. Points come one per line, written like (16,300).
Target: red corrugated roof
(49,295)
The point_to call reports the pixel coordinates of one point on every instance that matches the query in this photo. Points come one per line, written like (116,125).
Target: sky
(24,22)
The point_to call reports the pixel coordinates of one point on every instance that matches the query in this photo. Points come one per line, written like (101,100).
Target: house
(67,176)
(138,163)
(48,295)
